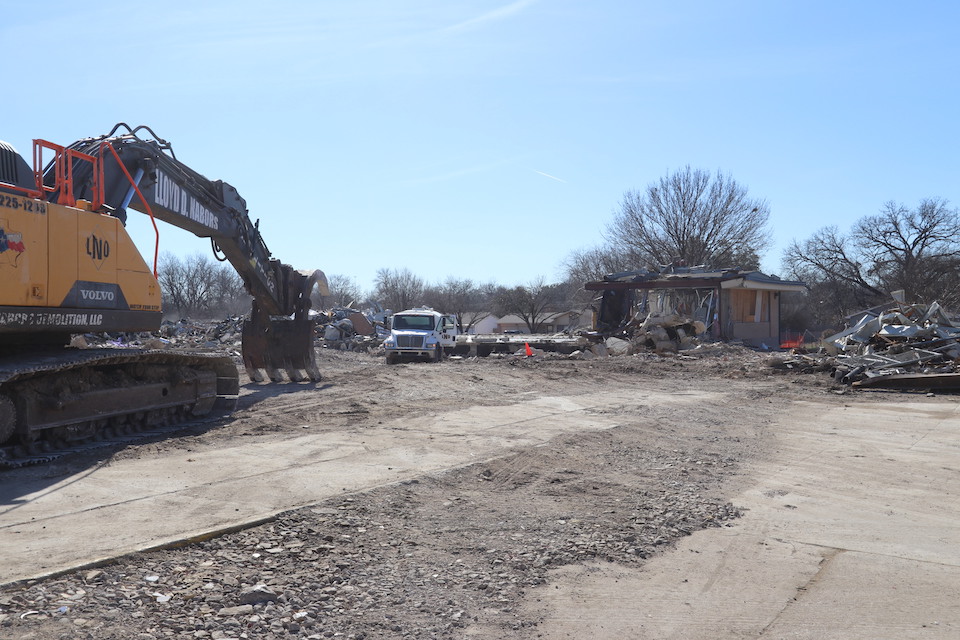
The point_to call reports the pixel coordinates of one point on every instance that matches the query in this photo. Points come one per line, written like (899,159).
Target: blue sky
(488,139)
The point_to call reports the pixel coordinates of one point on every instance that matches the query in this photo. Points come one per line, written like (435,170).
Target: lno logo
(98,249)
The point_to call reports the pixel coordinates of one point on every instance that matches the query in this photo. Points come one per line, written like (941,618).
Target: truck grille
(410,342)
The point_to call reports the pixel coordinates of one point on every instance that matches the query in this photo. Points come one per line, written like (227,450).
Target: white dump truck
(420,334)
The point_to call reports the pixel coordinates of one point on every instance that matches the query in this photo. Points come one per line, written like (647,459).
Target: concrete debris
(616,346)
(347,329)
(344,329)
(361,325)
(662,333)
(488,344)
(904,347)
(223,335)
(351,330)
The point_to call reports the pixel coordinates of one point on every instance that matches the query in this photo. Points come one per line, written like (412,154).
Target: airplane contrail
(547,175)
(496,14)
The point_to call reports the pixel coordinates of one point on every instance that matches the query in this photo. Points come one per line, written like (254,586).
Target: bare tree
(571,294)
(197,286)
(828,256)
(469,302)
(693,217)
(482,306)
(184,283)
(344,291)
(228,295)
(398,289)
(912,249)
(589,265)
(916,250)
(532,303)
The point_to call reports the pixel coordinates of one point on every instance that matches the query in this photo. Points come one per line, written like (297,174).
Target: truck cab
(420,334)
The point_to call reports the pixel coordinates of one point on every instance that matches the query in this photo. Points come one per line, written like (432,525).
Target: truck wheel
(391,358)
(438,354)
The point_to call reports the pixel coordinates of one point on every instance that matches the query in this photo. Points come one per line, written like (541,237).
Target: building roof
(694,278)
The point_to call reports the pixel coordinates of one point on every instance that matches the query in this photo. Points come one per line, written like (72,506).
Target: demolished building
(719,304)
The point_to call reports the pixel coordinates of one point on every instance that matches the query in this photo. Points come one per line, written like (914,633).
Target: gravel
(440,555)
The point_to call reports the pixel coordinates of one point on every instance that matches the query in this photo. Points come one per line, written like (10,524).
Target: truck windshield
(423,323)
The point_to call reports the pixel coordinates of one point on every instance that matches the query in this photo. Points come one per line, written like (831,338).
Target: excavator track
(59,402)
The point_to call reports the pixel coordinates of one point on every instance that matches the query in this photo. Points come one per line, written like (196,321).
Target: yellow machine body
(66,269)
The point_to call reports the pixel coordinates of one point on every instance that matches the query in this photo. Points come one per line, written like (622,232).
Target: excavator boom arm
(176,194)
(153,181)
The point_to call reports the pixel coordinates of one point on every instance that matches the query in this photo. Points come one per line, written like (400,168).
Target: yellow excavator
(68,266)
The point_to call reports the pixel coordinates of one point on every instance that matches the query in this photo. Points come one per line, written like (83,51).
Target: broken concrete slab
(617,347)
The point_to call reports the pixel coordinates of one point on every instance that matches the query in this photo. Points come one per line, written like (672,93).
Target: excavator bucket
(275,345)
(272,347)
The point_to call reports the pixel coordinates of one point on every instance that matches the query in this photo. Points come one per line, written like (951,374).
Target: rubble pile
(905,346)
(182,334)
(351,330)
(669,332)
(659,332)
(343,329)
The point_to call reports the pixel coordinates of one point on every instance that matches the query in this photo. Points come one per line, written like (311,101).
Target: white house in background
(486,325)
(554,323)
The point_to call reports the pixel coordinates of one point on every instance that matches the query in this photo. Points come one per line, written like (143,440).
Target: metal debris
(350,330)
(907,346)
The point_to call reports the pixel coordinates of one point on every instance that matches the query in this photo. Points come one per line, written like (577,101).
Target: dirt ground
(450,554)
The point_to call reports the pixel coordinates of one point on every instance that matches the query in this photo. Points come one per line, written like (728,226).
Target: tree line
(534,303)
(690,217)
(198,287)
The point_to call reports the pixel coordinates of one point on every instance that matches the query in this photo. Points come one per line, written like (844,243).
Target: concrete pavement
(126,505)
(851,531)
